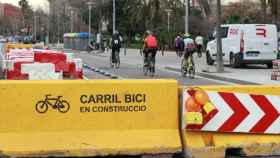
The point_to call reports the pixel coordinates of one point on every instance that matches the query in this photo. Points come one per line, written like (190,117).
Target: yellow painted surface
(9,46)
(213,145)
(194,118)
(24,131)
(208,107)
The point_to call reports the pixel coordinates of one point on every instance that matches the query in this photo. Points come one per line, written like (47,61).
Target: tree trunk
(205,6)
(274,10)
(264,11)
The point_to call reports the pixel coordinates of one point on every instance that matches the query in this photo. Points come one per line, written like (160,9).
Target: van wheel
(233,60)
(269,66)
(209,60)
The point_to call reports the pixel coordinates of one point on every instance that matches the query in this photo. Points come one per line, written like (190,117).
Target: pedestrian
(199,44)
(177,40)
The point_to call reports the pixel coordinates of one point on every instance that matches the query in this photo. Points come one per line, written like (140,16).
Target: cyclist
(189,50)
(199,44)
(116,45)
(150,46)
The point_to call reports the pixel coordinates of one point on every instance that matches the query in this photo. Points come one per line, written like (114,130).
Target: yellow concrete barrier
(86,118)
(9,46)
(213,144)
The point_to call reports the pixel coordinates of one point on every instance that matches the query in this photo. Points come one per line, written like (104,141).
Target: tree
(134,17)
(264,9)
(27,12)
(242,12)
(205,6)
(274,10)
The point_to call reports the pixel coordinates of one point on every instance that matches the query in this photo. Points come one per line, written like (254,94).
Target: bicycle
(117,60)
(188,67)
(149,64)
(59,104)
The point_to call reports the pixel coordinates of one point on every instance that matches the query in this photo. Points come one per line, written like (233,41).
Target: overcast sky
(34,3)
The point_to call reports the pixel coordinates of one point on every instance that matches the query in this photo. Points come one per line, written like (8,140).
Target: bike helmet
(148,32)
(187,35)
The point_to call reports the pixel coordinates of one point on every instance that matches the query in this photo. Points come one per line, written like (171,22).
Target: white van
(246,44)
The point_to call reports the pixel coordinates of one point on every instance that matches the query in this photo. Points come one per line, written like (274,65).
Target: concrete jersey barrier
(87,118)
(245,117)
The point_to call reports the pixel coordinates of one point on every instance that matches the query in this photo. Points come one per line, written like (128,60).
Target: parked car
(246,44)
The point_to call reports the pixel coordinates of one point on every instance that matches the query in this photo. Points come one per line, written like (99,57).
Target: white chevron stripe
(224,112)
(275,126)
(255,111)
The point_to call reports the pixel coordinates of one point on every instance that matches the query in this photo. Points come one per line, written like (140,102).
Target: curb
(102,72)
(214,77)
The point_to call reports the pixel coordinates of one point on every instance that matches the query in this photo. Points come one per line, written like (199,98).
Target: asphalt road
(132,69)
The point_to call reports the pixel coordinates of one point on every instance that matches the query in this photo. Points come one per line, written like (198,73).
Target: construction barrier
(39,63)
(87,118)
(216,118)
(9,46)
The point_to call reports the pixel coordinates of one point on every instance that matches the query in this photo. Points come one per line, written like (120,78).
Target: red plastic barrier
(16,74)
(17,65)
(78,75)
(73,72)
(58,59)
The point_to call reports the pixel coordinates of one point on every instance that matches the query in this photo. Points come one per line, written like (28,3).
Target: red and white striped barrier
(239,112)
(14,72)
(20,54)
(41,71)
(64,64)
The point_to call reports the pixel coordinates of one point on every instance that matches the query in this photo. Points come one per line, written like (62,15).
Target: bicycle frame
(190,60)
(47,100)
(188,65)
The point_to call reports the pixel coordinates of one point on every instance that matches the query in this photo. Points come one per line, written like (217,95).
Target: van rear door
(260,42)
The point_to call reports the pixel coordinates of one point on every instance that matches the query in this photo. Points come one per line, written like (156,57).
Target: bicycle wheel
(117,60)
(183,69)
(145,70)
(41,107)
(150,64)
(152,70)
(145,65)
(111,62)
(63,106)
(191,67)
(153,67)
(192,72)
